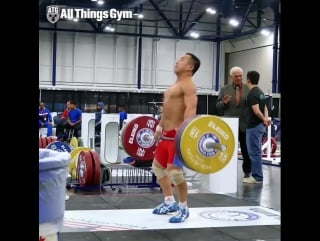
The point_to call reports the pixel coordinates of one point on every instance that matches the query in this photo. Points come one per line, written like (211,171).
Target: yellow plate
(74,160)
(74,142)
(194,138)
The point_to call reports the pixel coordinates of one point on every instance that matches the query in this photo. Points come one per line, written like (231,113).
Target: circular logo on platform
(226,215)
(145,138)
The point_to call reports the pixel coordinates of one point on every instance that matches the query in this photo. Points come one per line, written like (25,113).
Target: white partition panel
(88,129)
(109,147)
(225,180)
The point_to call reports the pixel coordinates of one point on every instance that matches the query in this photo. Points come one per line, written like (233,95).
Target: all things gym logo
(56,12)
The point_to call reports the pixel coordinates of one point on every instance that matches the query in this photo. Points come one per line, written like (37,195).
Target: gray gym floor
(258,196)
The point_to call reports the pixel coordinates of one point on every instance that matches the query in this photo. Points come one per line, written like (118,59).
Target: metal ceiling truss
(178,16)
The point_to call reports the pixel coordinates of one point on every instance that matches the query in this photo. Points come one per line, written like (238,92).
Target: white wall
(254,52)
(106,62)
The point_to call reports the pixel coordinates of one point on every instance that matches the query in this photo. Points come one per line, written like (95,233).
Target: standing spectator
(99,111)
(45,118)
(123,115)
(74,119)
(258,119)
(231,103)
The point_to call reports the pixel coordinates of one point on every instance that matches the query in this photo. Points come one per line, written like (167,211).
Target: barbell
(51,142)
(73,147)
(204,143)
(85,165)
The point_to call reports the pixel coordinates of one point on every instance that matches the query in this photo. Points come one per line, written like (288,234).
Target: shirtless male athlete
(179,104)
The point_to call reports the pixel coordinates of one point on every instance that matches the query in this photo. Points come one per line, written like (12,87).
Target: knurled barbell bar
(204,143)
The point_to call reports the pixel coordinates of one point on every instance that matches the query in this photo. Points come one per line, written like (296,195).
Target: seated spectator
(74,119)
(123,115)
(62,120)
(99,111)
(45,118)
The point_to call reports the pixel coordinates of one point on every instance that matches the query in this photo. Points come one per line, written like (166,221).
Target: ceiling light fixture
(137,13)
(100,2)
(233,22)
(109,28)
(265,32)
(211,10)
(194,35)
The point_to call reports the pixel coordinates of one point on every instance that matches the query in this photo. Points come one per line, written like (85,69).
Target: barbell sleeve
(217,146)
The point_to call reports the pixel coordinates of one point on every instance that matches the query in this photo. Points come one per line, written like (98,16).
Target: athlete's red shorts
(166,149)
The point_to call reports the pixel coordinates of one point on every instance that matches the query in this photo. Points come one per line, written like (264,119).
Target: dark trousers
(76,128)
(60,126)
(246,164)
(97,129)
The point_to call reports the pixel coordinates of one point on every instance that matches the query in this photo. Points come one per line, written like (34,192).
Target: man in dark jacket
(231,103)
(99,111)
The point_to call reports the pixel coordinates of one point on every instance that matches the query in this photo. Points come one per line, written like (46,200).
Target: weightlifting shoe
(183,214)
(165,208)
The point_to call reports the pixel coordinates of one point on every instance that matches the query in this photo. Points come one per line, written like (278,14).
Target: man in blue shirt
(74,119)
(45,118)
(123,115)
